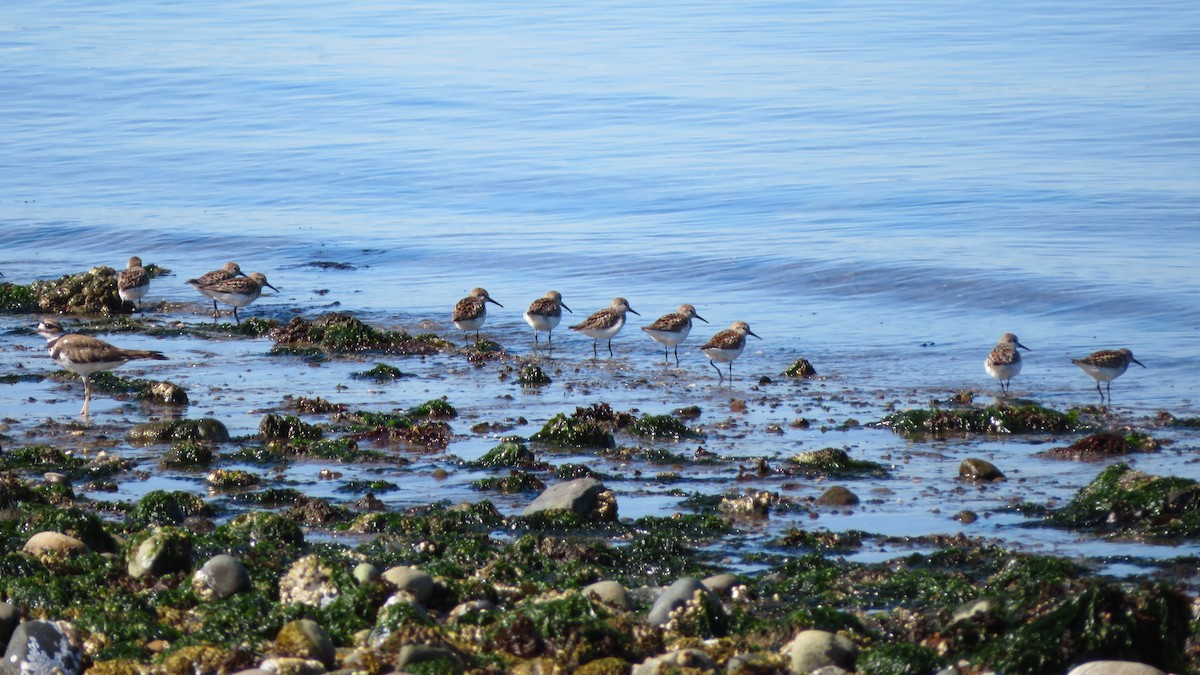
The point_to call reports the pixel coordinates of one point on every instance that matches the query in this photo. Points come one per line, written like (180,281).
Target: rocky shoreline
(265,578)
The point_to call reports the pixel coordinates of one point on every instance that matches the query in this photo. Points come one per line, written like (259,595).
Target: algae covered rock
(305,639)
(170,431)
(165,551)
(162,507)
(800,368)
(573,432)
(1105,444)
(834,463)
(994,419)
(1125,502)
(338,333)
(412,580)
(92,292)
(690,608)
(54,545)
(511,453)
(278,427)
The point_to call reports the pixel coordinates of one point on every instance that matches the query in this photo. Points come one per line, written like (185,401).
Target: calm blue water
(881,187)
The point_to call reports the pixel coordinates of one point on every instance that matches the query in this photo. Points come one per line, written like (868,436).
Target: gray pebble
(609,593)
(411,579)
(43,647)
(813,649)
(675,596)
(579,495)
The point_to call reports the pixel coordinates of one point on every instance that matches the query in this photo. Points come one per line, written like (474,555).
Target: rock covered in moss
(835,462)
(800,368)
(512,453)
(43,647)
(305,639)
(170,431)
(165,551)
(308,582)
(994,419)
(662,426)
(813,649)
(223,576)
(1134,503)
(278,427)
(161,507)
(573,432)
(93,292)
(187,454)
(338,333)
(531,375)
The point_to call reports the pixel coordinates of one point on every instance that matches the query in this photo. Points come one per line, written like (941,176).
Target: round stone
(609,593)
(411,579)
(837,496)
(44,647)
(813,649)
(221,577)
(675,596)
(166,551)
(54,544)
(979,470)
(305,639)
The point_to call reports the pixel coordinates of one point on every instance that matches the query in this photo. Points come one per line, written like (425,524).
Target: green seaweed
(278,427)
(573,432)
(15,298)
(662,426)
(338,333)
(995,419)
(162,507)
(511,453)
(1126,502)
(835,463)
(42,458)
(515,482)
(380,373)
(437,409)
(531,375)
(903,658)
(187,454)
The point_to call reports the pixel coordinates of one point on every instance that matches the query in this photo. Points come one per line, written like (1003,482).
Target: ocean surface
(883,188)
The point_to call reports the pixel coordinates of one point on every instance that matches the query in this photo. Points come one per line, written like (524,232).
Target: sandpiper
(133,282)
(84,355)
(1004,362)
(237,291)
(471,311)
(605,324)
(545,313)
(672,329)
(228,271)
(1105,366)
(727,346)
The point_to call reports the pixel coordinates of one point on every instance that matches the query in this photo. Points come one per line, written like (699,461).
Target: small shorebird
(545,313)
(237,291)
(133,282)
(1004,362)
(672,329)
(471,311)
(1105,366)
(605,324)
(228,271)
(727,346)
(84,355)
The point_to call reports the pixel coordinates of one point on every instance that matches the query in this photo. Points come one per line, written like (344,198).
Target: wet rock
(338,333)
(687,596)
(207,429)
(305,639)
(168,393)
(221,577)
(575,432)
(1114,668)
(800,368)
(661,426)
(9,618)
(165,551)
(754,505)
(979,470)
(753,663)
(412,580)
(54,544)
(159,507)
(610,593)
(279,427)
(531,375)
(694,660)
(966,517)
(580,496)
(413,654)
(995,419)
(837,495)
(43,647)
(813,649)
(308,582)
(187,454)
